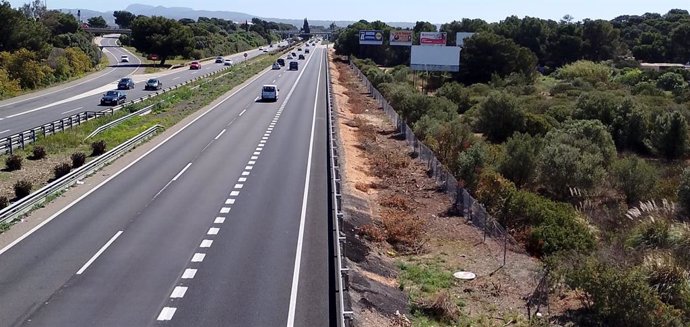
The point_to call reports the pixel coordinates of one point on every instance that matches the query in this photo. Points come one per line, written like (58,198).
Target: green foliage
(123,18)
(98,22)
(684,191)
(494,191)
(670,81)
(588,71)
(646,88)
(427,278)
(13,162)
(486,54)
(520,162)
(447,138)
(8,87)
(669,135)
(500,115)
(630,77)
(22,188)
(596,105)
(470,164)
(635,177)
(460,95)
(163,36)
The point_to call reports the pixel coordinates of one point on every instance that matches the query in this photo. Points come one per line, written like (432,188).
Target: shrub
(470,164)
(460,95)
(39,152)
(4,202)
(493,191)
(98,148)
(13,162)
(589,71)
(670,81)
(78,159)
(670,135)
(646,88)
(520,162)
(635,177)
(404,231)
(22,188)
(630,77)
(500,116)
(596,105)
(61,169)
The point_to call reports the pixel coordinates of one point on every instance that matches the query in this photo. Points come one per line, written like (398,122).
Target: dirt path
(396,217)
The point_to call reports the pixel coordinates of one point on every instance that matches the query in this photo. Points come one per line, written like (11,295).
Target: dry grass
(441,307)
(397,202)
(404,231)
(364,187)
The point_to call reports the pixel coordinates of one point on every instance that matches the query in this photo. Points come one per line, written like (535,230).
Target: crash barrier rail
(118,121)
(464,203)
(25,204)
(343,300)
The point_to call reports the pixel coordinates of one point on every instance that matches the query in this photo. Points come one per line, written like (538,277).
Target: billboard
(401,38)
(460,38)
(435,59)
(432,38)
(370,37)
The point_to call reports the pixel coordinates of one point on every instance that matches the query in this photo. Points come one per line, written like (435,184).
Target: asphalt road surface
(224,223)
(22,113)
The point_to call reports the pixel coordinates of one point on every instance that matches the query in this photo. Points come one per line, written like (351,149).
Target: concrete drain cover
(465,275)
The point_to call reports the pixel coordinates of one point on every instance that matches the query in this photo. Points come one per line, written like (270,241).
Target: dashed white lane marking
(254,157)
(224,210)
(232,121)
(251,163)
(267,134)
(230,201)
(245,173)
(219,220)
(258,149)
(178,292)
(234,193)
(95,256)
(166,314)
(243,111)
(257,153)
(178,77)
(206,243)
(248,168)
(198,257)
(262,142)
(273,81)
(213,231)
(261,145)
(189,273)
(68,111)
(181,172)
(239,186)
(220,134)
(242,179)
(5,131)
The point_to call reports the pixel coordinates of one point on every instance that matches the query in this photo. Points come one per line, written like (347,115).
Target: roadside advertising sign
(460,38)
(371,37)
(401,38)
(432,38)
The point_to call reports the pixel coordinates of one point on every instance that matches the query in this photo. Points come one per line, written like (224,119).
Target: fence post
(21,139)
(33,136)
(9,143)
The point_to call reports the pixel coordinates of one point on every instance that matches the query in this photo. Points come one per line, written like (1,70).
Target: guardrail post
(21,140)
(62,125)
(33,136)
(9,144)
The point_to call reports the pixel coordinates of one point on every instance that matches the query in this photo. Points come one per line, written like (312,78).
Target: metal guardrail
(27,203)
(343,308)
(120,120)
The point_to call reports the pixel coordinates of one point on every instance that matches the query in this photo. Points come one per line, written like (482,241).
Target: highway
(31,110)
(223,223)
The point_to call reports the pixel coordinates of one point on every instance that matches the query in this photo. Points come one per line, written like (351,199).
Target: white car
(269,92)
(276,66)
(124,58)
(228,62)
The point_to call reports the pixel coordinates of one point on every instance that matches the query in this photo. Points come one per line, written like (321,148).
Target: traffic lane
(250,266)
(314,300)
(35,268)
(24,119)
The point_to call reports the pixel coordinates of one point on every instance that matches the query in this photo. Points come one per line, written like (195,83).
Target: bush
(78,159)
(500,116)
(670,81)
(635,177)
(61,169)
(470,164)
(520,162)
(596,105)
(493,191)
(684,191)
(670,135)
(4,202)
(22,188)
(630,77)
(98,148)
(460,95)
(647,88)
(39,152)
(589,71)
(13,162)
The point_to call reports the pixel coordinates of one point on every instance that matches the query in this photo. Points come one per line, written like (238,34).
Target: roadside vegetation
(582,158)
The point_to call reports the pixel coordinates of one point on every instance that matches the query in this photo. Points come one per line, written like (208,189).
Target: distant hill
(182,12)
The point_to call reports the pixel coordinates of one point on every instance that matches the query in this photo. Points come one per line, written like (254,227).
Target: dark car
(281,61)
(113,98)
(125,84)
(153,84)
(306,50)
(301,57)
(293,65)
(294,54)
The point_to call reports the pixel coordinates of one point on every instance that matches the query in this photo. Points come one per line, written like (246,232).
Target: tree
(635,177)
(332,27)
(34,10)
(500,116)
(520,162)
(680,39)
(59,23)
(124,18)
(162,36)
(486,54)
(601,40)
(670,135)
(98,22)
(305,27)
(455,92)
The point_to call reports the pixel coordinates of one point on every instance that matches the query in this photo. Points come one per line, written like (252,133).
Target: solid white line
(198,257)
(189,273)
(305,197)
(65,208)
(5,131)
(243,111)
(181,172)
(178,292)
(213,231)
(95,256)
(234,193)
(219,220)
(224,210)
(230,201)
(68,111)
(220,134)
(167,313)
(206,243)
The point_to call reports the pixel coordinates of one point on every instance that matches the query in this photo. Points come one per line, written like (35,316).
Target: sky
(434,11)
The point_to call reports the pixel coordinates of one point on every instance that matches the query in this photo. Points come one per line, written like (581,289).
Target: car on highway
(289,57)
(269,92)
(195,65)
(228,62)
(299,49)
(125,84)
(306,50)
(294,54)
(219,60)
(113,98)
(124,58)
(265,50)
(293,65)
(301,57)
(281,61)
(153,84)
(276,66)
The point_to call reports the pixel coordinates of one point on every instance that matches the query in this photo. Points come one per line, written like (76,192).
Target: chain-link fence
(464,203)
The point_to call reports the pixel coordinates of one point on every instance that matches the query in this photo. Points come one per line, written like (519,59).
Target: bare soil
(496,297)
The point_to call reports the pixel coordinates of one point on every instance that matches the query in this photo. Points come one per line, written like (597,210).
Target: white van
(269,93)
